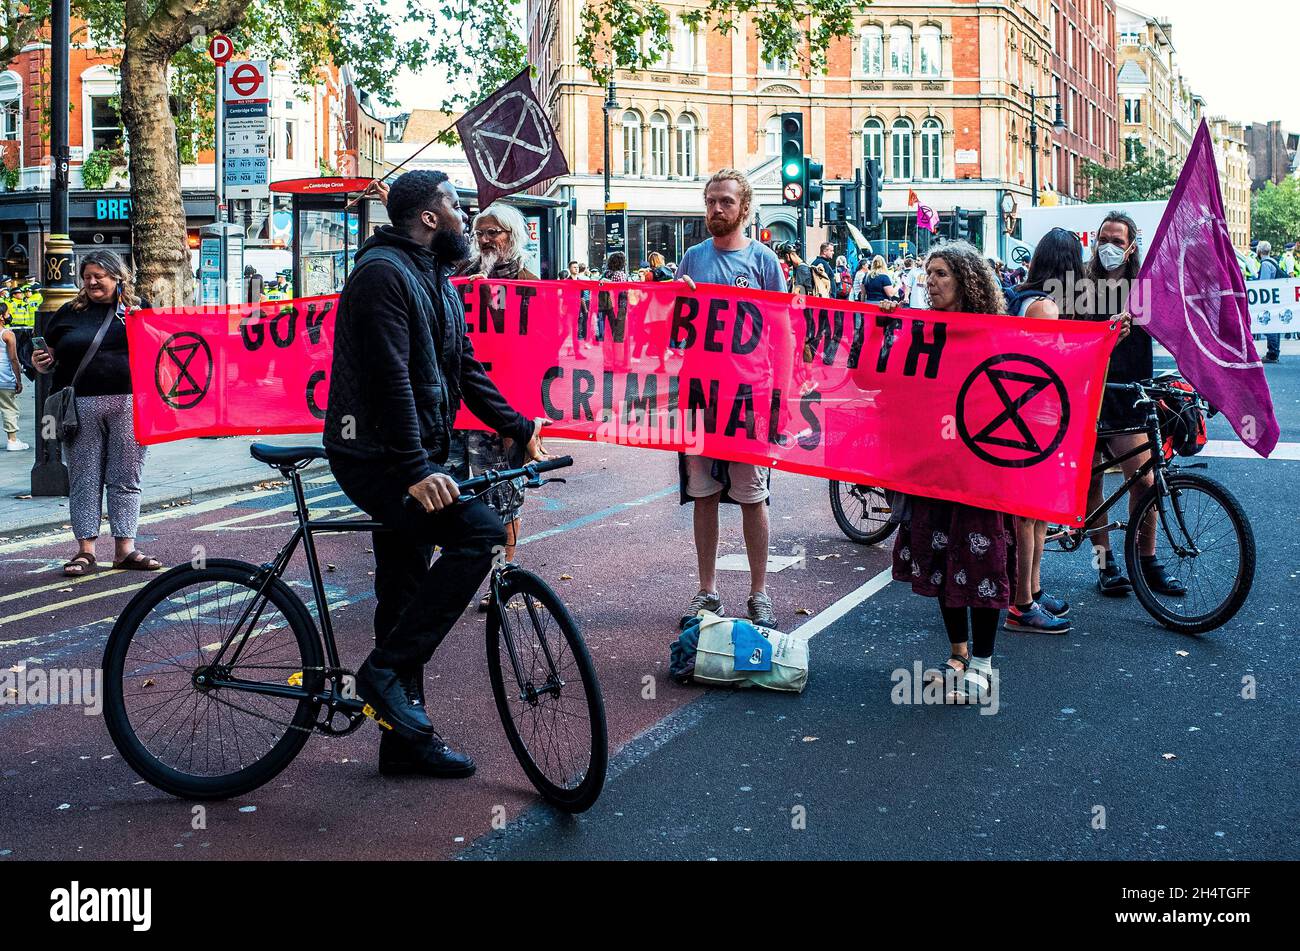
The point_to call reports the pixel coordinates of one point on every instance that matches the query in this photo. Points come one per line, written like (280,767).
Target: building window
(772,136)
(873,143)
(683,45)
(931,51)
(931,150)
(1130,38)
(290,128)
(873,51)
(900,147)
(631,143)
(105,124)
(11,107)
(1131,148)
(1132,110)
(685,147)
(772,65)
(659,145)
(900,51)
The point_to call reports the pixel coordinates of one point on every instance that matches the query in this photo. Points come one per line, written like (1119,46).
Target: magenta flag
(927,218)
(1191,297)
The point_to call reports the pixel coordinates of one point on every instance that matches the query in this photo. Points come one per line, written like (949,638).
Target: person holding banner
(734,260)
(402,363)
(1112,271)
(501,234)
(961,555)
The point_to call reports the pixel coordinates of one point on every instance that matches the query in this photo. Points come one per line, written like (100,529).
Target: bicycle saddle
(285,455)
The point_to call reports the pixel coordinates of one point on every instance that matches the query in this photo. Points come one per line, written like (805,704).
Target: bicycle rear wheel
(202,742)
(861,512)
(1204,539)
(551,708)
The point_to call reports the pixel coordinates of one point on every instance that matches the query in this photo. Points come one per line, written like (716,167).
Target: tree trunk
(164,276)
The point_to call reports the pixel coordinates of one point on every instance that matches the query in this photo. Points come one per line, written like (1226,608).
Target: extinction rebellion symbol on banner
(1032,423)
(184,370)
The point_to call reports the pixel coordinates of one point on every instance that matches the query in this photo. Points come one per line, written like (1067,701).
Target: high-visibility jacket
(1288,264)
(24,315)
(273,293)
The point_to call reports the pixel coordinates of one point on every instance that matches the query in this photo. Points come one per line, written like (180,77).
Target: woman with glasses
(500,235)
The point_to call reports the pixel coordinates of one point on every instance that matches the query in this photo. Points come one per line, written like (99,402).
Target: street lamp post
(611,103)
(1058,125)
(49,474)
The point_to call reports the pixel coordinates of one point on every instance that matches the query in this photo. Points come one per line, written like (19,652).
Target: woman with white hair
(500,233)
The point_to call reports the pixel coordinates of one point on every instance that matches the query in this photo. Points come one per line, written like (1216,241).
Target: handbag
(62,406)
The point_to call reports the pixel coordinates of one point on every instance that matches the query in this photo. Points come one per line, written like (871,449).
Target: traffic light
(851,211)
(960,224)
(793,163)
(813,182)
(765,235)
(874,186)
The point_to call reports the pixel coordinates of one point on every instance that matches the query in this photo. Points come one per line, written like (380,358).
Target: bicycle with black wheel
(1202,534)
(216,674)
(862,512)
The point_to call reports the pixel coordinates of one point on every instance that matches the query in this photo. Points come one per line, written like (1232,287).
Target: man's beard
(722,227)
(488,260)
(449,246)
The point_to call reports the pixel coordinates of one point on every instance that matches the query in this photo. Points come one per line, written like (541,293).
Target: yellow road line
(62,584)
(51,608)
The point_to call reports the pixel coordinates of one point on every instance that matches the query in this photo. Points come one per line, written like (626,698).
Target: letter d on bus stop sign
(221,49)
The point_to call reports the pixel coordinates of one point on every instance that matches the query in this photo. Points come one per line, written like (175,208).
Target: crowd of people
(1261,264)
(399,310)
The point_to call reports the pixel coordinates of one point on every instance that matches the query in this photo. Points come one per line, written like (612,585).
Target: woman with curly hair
(961,555)
(104,454)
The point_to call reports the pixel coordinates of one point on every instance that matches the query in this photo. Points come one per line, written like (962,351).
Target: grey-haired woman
(104,455)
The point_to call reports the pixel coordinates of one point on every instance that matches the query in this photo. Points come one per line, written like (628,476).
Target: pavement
(1119,740)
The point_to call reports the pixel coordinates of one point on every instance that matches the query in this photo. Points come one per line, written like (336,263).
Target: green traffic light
(792,170)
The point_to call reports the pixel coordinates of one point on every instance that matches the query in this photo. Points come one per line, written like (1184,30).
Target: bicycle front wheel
(1204,539)
(546,692)
(861,512)
(174,728)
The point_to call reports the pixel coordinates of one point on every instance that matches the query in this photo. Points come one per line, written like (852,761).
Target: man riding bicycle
(402,364)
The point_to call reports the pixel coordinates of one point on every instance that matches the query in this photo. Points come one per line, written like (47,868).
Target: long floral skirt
(964,556)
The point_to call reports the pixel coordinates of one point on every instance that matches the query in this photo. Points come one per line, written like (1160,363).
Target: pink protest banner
(992,411)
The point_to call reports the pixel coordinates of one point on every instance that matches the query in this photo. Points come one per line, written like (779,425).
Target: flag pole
(396,168)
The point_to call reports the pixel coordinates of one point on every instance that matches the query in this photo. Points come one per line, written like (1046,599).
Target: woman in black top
(104,454)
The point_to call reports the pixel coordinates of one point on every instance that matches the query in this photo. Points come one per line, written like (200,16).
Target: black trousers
(419,598)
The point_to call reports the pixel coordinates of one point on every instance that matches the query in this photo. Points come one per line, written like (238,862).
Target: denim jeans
(1274,344)
(419,598)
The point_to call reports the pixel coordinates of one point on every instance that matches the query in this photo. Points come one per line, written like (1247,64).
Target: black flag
(510,142)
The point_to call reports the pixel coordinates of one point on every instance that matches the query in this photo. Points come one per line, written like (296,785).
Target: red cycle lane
(613,542)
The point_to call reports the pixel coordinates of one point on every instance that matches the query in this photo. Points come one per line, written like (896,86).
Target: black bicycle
(861,512)
(216,673)
(1203,537)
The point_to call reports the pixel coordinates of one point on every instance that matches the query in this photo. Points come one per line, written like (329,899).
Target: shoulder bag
(62,406)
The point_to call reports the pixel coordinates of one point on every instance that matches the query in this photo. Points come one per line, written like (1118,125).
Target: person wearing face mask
(1112,270)
(402,364)
(86,349)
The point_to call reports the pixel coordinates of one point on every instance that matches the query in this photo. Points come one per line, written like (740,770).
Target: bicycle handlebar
(471,489)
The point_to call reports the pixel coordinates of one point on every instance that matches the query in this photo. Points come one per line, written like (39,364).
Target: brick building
(1272,153)
(1084,73)
(1158,107)
(325,126)
(937,91)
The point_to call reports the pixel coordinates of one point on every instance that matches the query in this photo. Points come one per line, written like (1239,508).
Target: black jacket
(402,364)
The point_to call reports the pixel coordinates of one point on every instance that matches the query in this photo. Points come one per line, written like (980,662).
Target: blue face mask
(1111,257)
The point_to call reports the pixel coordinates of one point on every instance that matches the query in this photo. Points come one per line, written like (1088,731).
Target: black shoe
(1112,583)
(428,757)
(1161,581)
(383,689)
(1271,358)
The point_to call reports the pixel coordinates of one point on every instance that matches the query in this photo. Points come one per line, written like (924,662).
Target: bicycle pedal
(371,712)
(295,679)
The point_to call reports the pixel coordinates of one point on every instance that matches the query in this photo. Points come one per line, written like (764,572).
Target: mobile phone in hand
(38,343)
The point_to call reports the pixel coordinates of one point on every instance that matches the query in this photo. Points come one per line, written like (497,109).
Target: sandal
(80,563)
(138,561)
(940,674)
(973,688)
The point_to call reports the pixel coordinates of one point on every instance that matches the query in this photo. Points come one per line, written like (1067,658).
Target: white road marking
(52,608)
(66,582)
(824,619)
(1232,449)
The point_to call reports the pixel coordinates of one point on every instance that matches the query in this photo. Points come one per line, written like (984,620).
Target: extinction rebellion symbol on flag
(510,142)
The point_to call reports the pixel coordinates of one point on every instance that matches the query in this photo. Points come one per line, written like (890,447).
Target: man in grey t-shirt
(736,261)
